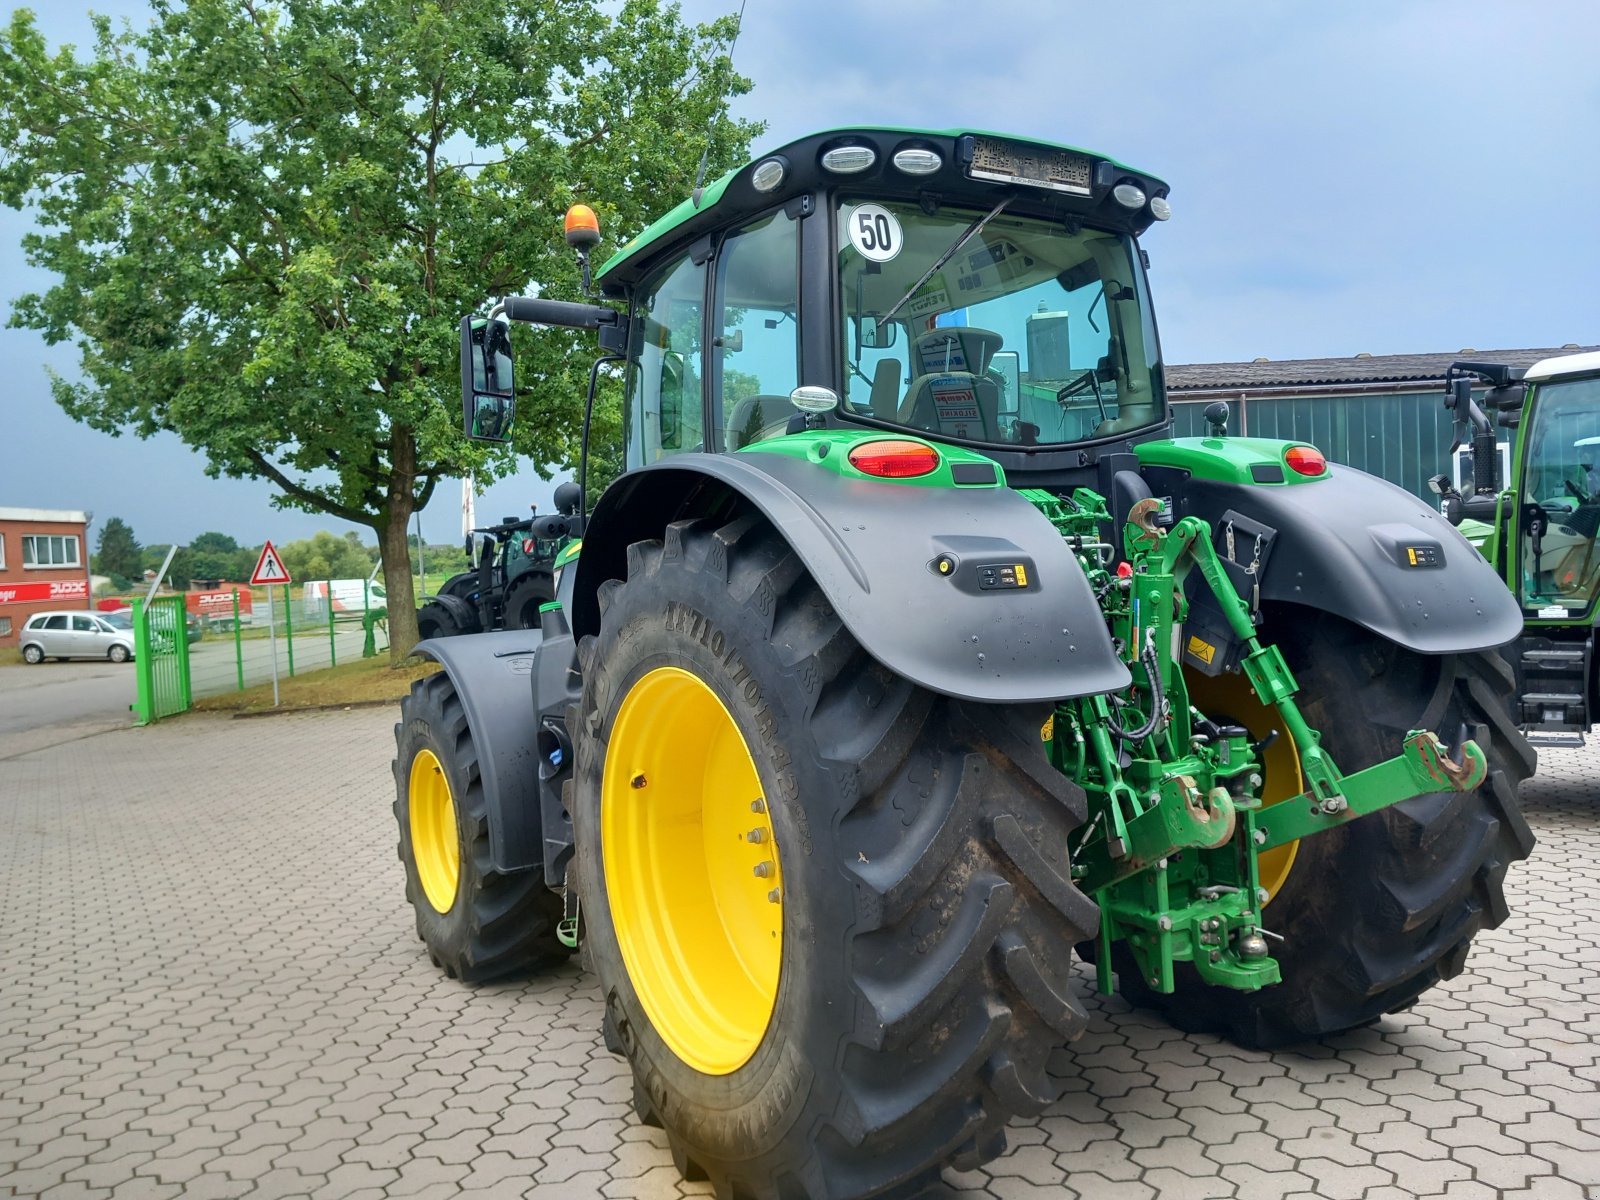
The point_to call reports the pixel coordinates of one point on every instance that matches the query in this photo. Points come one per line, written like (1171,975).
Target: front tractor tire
(1375,913)
(830,911)
(478,923)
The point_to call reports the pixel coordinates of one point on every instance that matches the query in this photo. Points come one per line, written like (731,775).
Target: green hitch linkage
(1213,926)
(1423,764)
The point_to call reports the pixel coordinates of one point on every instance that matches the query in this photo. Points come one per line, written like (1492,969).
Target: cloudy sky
(1374,175)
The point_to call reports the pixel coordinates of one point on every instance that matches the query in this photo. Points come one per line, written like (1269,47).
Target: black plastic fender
(1345,545)
(464,614)
(493,676)
(873,548)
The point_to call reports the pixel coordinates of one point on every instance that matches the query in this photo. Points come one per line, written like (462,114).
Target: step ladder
(1553,688)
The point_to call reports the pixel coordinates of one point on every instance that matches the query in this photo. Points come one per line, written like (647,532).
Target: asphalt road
(57,702)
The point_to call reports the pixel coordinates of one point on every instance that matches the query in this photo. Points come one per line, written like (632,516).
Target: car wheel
(32,654)
(118,654)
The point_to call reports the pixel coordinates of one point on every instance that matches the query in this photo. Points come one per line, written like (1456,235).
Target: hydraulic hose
(1158,703)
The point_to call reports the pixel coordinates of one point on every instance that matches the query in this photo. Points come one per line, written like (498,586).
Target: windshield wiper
(967,235)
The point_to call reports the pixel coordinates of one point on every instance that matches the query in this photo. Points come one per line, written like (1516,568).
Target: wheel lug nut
(756,836)
(763,869)
(773,895)
(758,805)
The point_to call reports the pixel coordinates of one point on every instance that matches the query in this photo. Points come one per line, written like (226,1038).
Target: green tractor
(513,579)
(910,661)
(1539,529)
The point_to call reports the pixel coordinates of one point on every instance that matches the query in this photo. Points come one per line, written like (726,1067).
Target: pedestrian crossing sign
(269,567)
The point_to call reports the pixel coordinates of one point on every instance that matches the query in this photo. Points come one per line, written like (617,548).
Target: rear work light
(894,460)
(1305,460)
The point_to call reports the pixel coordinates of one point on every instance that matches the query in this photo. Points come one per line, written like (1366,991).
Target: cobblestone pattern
(211,987)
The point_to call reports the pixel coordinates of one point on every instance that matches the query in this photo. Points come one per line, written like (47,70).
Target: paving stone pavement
(211,987)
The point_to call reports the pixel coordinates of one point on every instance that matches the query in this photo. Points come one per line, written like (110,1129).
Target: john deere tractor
(512,581)
(910,659)
(1539,527)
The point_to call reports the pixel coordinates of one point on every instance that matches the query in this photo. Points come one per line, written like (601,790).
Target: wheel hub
(692,870)
(435,844)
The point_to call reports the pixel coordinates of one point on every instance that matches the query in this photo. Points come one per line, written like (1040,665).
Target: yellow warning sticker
(1022,576)
(1202,650)
(1047,731)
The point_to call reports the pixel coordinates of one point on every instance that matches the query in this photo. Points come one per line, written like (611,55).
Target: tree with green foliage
(326,555)
(180,572)
(217,556)
(267,218)
(117,551)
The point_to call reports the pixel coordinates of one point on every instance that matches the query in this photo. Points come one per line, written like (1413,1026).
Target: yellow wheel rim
(692,870)
(435,845)
(1230,700)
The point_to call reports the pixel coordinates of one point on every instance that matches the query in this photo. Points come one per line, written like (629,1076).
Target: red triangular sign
(269,567)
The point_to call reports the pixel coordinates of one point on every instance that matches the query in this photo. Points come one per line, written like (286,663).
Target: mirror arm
(612,325)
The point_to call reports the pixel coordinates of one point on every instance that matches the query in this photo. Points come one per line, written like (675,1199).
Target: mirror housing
(488,391)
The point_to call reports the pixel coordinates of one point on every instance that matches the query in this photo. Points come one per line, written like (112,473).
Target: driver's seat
(952,393)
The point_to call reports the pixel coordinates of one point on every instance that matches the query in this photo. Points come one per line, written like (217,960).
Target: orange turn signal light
(583,227)
(1305,460)
(894,459)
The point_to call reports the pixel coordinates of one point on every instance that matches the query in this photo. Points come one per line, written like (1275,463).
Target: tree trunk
(395,549)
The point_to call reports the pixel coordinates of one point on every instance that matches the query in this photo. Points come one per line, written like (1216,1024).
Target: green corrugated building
(1383,413)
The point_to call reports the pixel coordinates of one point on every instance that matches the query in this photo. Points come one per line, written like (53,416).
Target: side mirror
(488,396)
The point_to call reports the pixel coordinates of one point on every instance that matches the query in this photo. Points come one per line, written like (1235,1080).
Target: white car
(76,634)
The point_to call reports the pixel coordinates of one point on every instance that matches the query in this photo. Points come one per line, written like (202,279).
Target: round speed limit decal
(875,232)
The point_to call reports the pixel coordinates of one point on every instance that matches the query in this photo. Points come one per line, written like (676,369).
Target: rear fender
(1344,545)
(495,677)
(873,548)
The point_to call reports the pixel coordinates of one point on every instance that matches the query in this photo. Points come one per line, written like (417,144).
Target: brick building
(44,564)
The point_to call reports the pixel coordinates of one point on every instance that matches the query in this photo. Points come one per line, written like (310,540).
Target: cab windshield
(1031,333)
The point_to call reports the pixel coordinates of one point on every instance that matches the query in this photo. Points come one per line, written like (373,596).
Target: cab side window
(757,346)
(666,390)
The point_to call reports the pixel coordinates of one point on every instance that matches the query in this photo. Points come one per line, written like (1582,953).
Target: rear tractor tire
(478,923)
(830,911)
(1379,911)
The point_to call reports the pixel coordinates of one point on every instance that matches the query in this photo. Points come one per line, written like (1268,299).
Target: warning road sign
(269,567)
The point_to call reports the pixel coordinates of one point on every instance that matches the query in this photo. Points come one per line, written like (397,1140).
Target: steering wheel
(1576,491)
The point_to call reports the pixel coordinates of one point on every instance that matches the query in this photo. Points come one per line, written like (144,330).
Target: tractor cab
(1540,529)
(964,288)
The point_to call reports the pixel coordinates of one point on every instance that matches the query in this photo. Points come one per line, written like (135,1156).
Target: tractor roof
(1561,365)
(734,196)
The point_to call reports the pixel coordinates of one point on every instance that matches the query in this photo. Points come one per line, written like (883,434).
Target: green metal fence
(161,659)
(305,626)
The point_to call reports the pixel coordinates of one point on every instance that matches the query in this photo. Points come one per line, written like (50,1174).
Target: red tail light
(1305,460)
(894,460)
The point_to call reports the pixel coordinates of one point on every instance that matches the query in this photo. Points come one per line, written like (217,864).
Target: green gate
(161,658)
